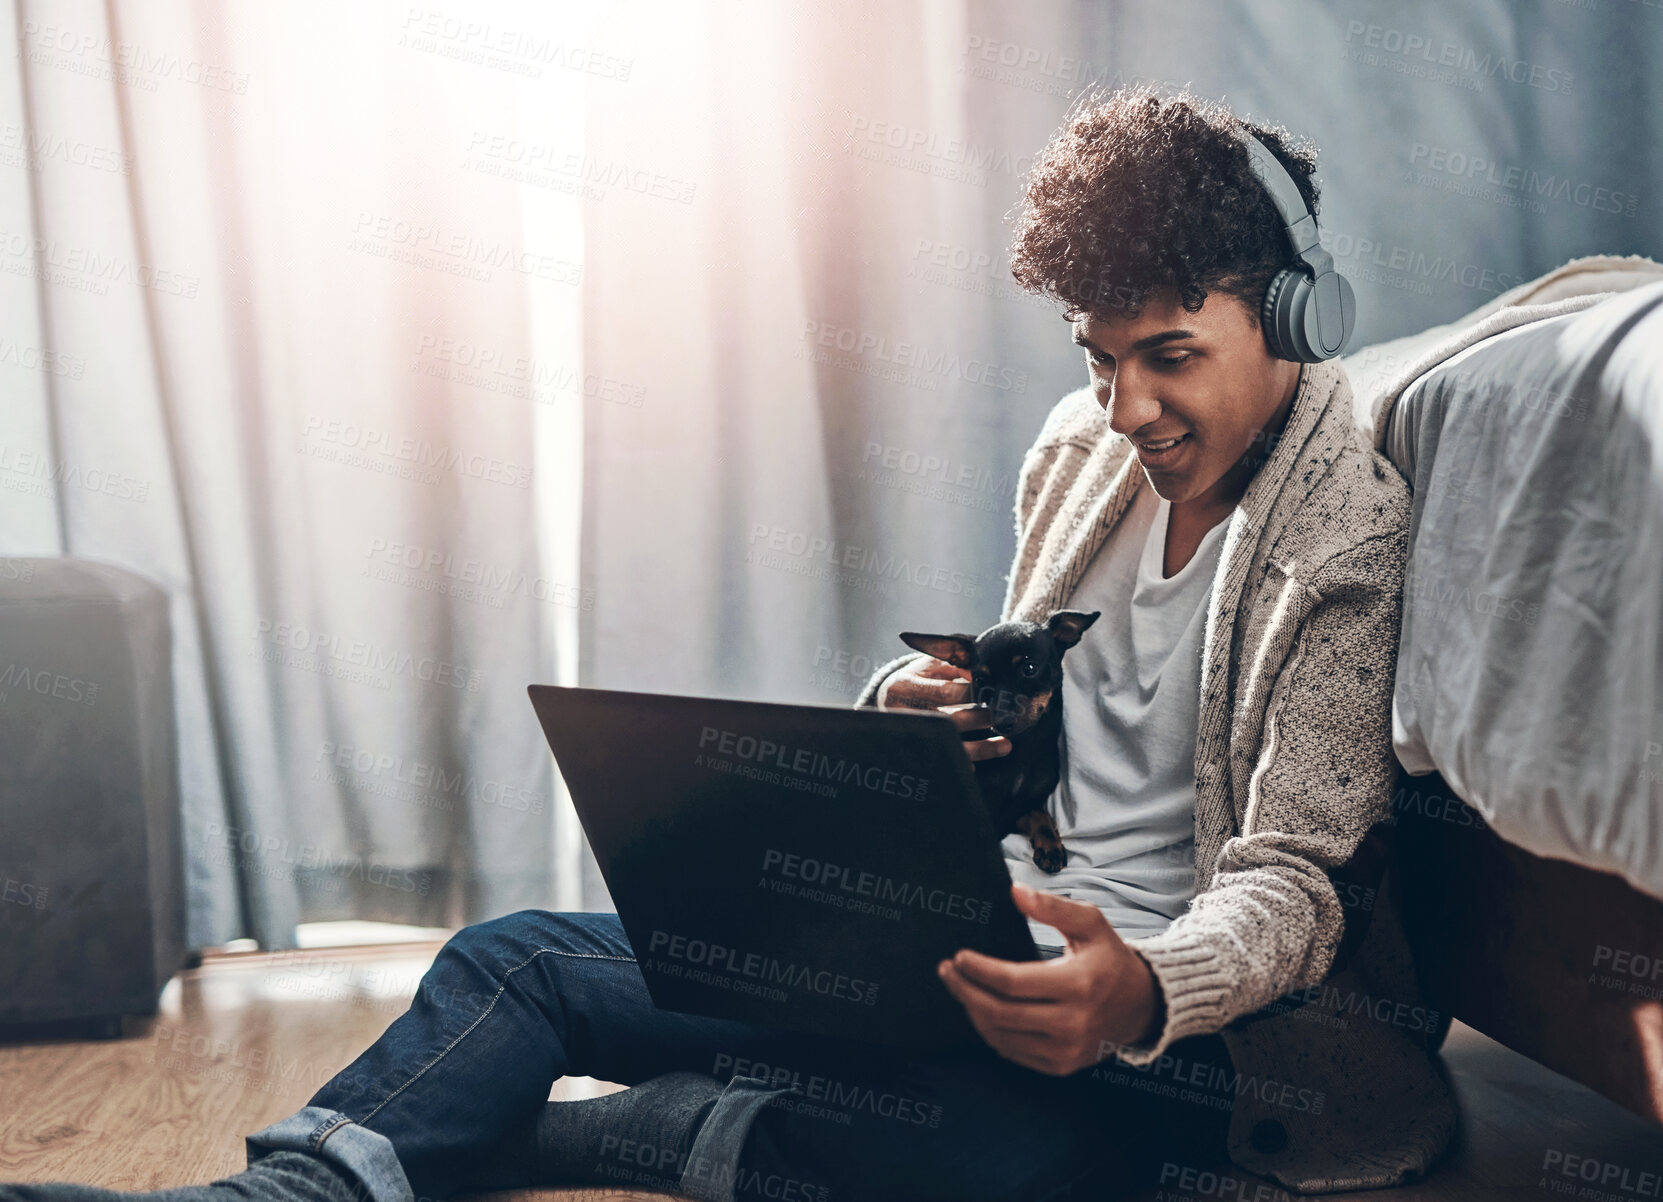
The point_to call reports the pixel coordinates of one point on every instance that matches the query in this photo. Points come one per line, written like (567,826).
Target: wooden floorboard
(246,1040)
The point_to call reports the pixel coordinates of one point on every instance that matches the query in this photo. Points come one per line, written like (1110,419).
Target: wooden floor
(247,1039)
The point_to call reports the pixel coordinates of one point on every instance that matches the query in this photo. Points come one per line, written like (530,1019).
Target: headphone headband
(1308,315)
(1284,194)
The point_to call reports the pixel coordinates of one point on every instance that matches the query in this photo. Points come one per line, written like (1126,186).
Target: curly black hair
(1136,192)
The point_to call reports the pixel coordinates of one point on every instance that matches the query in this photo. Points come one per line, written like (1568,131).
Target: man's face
(1204,378)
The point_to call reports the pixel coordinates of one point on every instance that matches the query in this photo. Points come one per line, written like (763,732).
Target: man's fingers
(929,684)
(969,716)
(940,668)
(1029,981)
(948,695)
(995,1014)
(925,694)
(987,749)
(1025,1047)
(972,717)
(941,692)
(1079,922)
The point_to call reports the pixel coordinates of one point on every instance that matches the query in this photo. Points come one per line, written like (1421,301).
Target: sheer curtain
(332,358)
(448,350)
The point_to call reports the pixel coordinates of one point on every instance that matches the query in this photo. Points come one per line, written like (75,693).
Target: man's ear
(1067,625)
(954,648)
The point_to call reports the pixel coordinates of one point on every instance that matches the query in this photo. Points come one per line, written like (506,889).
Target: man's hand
(1061,1015)
(936,684)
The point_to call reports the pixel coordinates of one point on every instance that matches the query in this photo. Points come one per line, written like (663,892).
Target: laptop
(803,867)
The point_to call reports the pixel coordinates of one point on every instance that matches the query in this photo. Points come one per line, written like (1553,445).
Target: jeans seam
(484,1014)
(325,1129)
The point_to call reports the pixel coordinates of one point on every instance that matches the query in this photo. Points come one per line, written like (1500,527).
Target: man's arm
(1271,921)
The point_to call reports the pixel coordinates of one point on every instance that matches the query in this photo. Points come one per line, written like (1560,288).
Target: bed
(1528,710)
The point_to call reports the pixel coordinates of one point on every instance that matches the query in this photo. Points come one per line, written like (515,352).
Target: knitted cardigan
(1337,1083)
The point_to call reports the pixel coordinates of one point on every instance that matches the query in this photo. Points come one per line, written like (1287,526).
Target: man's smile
(1162,452)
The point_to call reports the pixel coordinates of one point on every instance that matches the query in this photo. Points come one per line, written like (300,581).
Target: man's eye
(1172,360)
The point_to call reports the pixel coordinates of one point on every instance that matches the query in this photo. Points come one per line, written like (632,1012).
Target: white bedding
(1530,672)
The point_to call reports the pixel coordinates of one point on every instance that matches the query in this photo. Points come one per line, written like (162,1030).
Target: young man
(1227,761)
(1227,756)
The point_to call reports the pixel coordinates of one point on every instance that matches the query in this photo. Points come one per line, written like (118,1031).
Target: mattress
(1530,672)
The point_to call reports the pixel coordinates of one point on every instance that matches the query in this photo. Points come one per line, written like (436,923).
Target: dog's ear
(954,648)
(1067,625)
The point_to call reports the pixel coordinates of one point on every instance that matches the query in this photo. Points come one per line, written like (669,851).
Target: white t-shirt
(1125,803)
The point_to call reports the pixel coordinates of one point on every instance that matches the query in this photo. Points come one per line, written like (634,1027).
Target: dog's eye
(1028,669)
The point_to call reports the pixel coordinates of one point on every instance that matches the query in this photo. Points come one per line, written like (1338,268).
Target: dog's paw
(1049,853)
(1050,857)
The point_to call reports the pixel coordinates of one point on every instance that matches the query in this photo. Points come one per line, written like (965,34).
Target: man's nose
(1128,405)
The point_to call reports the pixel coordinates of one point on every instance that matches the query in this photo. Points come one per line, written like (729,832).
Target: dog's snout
(1014,710)
(1004,700)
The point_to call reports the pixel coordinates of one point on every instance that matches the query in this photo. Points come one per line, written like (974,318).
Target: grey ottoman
(92,920)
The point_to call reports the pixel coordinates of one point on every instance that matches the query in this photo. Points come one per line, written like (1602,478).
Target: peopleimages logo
(1456,57)
(1613,1179)
(1409,268)
(326,648)
(950,149)
(386,451)
(91,270)
(764,970)
(1477,168)
(475,41)
(47,684)
(1631,972)
(22,893)
(477,257)
(807,762)
(128,63)
(1354,1002)
(769,544)
(429,777)
(843,1095)
(910,356)
(872,886)
(1443,599)
(926,466)
(35,146)
(34,465)
(264,853)
(1205,1083)
(1208,1183)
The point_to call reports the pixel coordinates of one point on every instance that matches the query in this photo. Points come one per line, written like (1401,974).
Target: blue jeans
(513,1003)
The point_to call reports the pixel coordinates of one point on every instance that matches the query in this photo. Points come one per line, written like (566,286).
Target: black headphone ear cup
(1277,313)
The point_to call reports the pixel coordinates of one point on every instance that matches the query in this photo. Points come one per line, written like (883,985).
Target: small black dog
(1016,671)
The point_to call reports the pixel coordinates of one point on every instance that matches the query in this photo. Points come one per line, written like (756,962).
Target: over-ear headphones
(1309,310)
